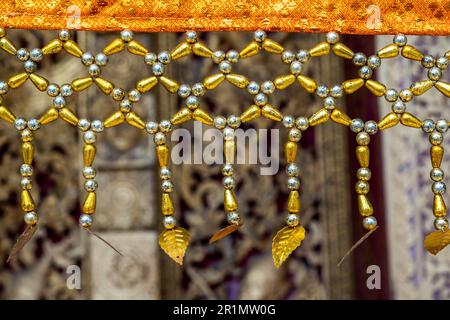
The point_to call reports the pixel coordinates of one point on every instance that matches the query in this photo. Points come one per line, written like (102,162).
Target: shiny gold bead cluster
(174,240)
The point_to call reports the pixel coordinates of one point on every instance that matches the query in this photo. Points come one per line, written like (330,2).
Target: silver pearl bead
(118,94)
(232,56)
(371,127)
(94,70)
(164,173)
(198,89)
(359,59)
(364,174)
(227,170)
(374,62)
(33,124)
(428,61)
(169,222)
(438,187)
(134,96)
(362,187)
(302,123)
(151,127)
(233,218)
(220,122)
(90,185)
(22,54)
(287,56)
(436,138)
(400,40)
(365,72)
(332,37)
(29,66)
(293,183)
(26,170)
(64,35)
(192,102)
(370,223)
(434,73)
(442,125)
(84,124)
(363,138)
(267,87)
(288,121)
(126,35)
(406,95)
(292,220)
(150,58)
(126,105)
(30,218)
(253,87)
(26,135)
(158,69)
(159,138)
(26,183)
(20,123)
(89,172)
(356,125)
(166,186)
(165,126)
(260,35)
(441,224)
(89,137)
(97,126)
(329,103)
(228,133)
(234,121)
(303,56)
(261,99)
(86,220)
(398,107)
(218,56)
(225,67)
(296,67)
(322,91)
(294,135)
(336,91)
(101,59)
(87,58)
(164,57)
(292,170)
(59,102)
(436,174)
(442,63)
(3,87)
(191,36)
(66,90)
(229,183)
(184,91)
(391,95)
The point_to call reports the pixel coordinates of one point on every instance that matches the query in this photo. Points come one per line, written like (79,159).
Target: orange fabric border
(351,16)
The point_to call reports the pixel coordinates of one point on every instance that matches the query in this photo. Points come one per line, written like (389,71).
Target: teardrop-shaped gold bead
(436,155)
(8,46)
(307,83)
(390,120)
(363,156)
(136,48)
(181,116)
(180,51)
(115,119)
(250,50)
(171,85)
(409,120)
(51,115)
(319,117)
(27,152)
(230,201)
(439,207)
(420,87)
(136,121)
(167,205)
(17,80)
(67,115)
(341,50)
(229,150)
(213,81)
(89,151)
(27,202)
(104,85)
(364,205)
(389,51)
(412,53)
(90,203)
(40,82)
(146,84)
(270,112)
(72,48)
(53,47)
(202,116)
(282,82)
(294,201)
(7,114)
(81,83)
(201,50)
(352,85)
(162,153)
(320,49)
(375,87)
(238,80)
(272,46)
(291,151)
(340,117)
(115,46)
(443,87)
(251,113)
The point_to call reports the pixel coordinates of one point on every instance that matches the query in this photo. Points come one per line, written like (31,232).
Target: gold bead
(104,85)
(229,151)
(146,84)
(213,81)
(53,47)
(67,115)
(412,53)
(201,50)
(202,116)
(251,113)
(133,119)
(364,205)
(340,117)
(307,83)
(17,80)
(436,155)
(319,117)
(443,87)
(376,88)
(51,115)
(420,87)
(136,48)
(352,85)
(272,113)
(90,203)
(162,153)
(115,119)
(238,80)
(166,204)
(272,46)
(171,85)
(7,114)
(181,116)
(389,51)
(40,82)
(282,82)
(291,151)
(89,151)
(409,120)
(27,202)
(180,51)
(115,46)
(8,46)
(390,120)
(294,202)
(250,50)
(320,49)
(230,201)
(81,84)
(72,48)
(439,207)
(341,50)
(27,152)
(363,156)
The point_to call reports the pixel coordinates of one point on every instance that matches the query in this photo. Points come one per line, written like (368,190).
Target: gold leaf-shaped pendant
(436,241)
(174,242)
(285,242)
(222,233)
